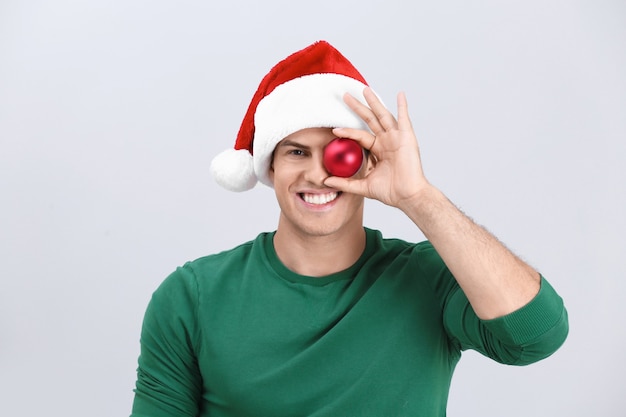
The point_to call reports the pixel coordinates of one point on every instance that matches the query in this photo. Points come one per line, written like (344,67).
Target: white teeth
(319,198)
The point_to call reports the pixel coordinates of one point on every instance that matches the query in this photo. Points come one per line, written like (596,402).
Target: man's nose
(316,173)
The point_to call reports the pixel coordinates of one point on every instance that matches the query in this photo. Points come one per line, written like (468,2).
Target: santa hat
(304,90)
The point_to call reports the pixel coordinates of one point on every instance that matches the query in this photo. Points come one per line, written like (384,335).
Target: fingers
(372,145)
(347,185)
(404,122)
(385,117)
(364,112)
(376,116)
(365,139)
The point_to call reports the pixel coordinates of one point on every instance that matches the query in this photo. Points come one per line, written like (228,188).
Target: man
(324,317)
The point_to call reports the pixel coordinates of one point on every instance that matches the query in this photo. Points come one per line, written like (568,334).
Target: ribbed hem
(533,320)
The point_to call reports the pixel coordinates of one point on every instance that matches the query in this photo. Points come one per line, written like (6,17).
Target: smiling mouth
(319,199)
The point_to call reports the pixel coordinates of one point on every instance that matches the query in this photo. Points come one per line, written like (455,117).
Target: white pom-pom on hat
(233,169)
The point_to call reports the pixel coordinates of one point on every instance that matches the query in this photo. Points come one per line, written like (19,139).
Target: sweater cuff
(530,322)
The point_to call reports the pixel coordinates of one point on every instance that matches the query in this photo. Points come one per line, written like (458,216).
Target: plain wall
(110,112)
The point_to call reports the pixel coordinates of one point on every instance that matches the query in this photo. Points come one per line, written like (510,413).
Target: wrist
(421,201)
(430,210)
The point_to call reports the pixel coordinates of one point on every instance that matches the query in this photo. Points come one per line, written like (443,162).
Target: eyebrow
(289,142)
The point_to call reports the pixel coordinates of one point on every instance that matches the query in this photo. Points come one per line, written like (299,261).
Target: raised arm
(495,281)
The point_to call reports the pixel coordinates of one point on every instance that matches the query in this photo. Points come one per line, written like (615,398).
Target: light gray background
(110,112)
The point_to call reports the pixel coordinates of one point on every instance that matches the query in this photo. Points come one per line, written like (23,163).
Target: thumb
(347,185)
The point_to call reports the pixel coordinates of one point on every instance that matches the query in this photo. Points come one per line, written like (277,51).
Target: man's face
(307,206)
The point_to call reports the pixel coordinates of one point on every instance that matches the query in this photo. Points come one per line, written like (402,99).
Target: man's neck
(319,256)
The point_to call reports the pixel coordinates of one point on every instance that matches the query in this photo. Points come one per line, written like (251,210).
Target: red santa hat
(304,90)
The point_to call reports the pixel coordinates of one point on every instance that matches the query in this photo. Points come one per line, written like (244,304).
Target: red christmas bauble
(343,157)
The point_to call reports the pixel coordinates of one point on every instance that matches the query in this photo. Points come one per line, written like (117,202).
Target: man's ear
(370,160)
(271,169)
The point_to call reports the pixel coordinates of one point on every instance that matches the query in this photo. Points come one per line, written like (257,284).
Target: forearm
(495,281)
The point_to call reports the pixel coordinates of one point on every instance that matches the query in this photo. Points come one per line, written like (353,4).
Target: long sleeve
(524,336)
(168,379)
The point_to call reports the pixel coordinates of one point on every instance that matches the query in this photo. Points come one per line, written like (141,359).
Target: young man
(324,317)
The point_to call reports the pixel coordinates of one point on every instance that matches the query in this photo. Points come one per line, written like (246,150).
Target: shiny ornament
(343,157)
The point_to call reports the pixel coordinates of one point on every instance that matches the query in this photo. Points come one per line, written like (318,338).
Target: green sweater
(239,334)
